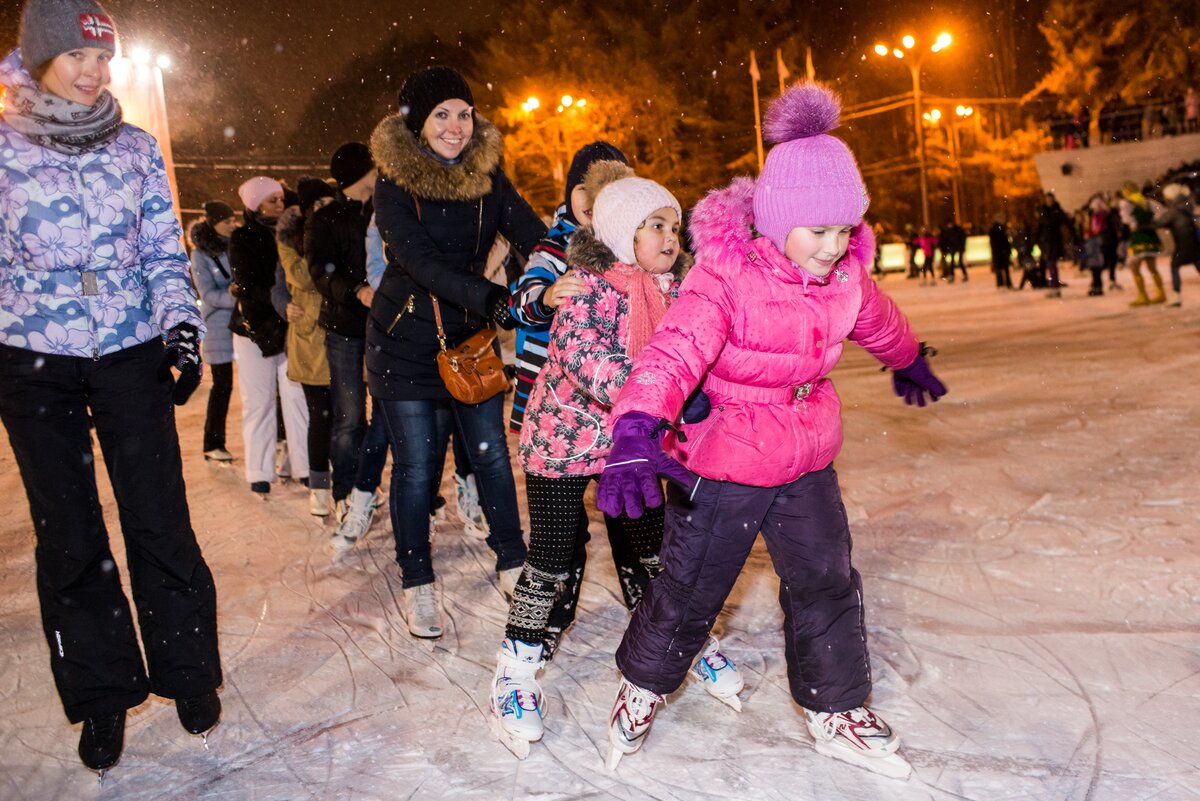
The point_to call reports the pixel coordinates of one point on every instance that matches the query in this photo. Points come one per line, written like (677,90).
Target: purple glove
(912,382)
(629,482)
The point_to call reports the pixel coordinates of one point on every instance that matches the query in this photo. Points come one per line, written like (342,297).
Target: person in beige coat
(308,365)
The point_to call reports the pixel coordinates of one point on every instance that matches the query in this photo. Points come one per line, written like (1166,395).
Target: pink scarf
(648,297)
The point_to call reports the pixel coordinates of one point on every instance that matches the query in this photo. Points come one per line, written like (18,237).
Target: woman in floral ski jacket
(93,278)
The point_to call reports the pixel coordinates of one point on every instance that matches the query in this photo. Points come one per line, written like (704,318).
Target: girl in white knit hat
(630,266)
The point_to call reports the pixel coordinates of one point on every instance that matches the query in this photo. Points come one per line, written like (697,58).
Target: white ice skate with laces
(860,737)
(516,704)
(630,720)
(718,675)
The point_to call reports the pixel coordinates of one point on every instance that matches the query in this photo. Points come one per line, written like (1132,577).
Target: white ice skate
(860,737)
(629,723)
(516,704)
(466,498)
(718,675)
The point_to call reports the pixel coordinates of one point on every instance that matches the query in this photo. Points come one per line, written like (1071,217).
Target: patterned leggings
(543,605)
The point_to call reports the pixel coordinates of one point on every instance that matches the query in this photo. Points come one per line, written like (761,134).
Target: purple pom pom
(805,110)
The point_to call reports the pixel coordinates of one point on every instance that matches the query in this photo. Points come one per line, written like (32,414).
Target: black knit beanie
(425,88)
(596,151)
(217,212)
(310,191)
(350,163)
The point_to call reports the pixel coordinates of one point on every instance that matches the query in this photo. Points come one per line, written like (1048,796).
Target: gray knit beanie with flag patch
(52,27)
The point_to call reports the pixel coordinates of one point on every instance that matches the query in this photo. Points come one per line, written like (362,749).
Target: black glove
(500,309)
(183,353)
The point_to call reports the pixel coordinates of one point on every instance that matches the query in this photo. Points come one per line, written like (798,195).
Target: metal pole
(956,175)
(915,69)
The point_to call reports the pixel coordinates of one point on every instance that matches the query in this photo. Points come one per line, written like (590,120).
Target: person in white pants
(258,378)
(259,341)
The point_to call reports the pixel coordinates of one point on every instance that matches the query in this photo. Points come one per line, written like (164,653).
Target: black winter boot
(102,740)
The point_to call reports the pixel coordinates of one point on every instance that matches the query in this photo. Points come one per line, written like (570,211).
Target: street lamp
(567,104)
(933,117)
(913,57)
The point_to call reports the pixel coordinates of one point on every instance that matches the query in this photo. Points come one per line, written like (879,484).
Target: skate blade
(519,746)
(614,758)
(893,765)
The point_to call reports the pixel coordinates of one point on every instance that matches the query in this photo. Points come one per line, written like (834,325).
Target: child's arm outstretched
(883,331)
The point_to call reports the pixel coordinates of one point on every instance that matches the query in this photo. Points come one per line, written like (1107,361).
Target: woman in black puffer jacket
(441,199)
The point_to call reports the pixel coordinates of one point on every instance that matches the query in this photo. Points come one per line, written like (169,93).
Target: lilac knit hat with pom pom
(810,178)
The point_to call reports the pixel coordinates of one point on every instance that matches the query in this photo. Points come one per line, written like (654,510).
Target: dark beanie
(425,88)
(52,27)
(310,191)
(350,163)
(290,197)
(215,212)
(584,157)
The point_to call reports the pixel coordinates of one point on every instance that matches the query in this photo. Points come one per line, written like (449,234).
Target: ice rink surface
(1030,548)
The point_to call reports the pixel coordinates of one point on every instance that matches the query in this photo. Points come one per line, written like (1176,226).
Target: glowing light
(566,101)
(530,104)
(881,50)
(580,103)
(163,62)
(898,53)
(908,42)
(943,39)
(140,56)
(964,111)
(933,116)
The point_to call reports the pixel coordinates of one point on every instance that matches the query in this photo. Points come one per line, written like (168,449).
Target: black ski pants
(45,401)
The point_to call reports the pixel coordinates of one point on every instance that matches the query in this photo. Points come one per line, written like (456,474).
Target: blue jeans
(357,452)
(416,431)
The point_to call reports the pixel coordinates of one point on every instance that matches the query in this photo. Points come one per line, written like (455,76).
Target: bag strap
(437,318)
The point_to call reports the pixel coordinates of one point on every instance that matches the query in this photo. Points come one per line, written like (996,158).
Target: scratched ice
(1030,553)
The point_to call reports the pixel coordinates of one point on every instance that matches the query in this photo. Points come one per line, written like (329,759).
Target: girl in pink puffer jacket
(782,278)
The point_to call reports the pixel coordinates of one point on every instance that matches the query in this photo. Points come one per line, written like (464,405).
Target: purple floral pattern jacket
(91,254)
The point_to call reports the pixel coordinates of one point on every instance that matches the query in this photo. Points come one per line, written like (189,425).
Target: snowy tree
(1102,52)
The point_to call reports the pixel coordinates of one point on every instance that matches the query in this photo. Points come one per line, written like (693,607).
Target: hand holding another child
(566,287)
(630,481)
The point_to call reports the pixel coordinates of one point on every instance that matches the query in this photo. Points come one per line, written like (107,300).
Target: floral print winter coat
(761,335)
(568,427)
(91,252)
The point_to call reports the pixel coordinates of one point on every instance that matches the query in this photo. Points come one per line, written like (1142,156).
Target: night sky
(285,51)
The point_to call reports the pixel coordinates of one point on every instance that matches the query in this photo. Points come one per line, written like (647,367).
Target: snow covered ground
(1030,548)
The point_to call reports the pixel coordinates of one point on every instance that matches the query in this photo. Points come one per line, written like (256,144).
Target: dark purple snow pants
(705,546)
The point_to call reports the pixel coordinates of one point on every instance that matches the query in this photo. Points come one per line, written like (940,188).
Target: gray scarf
(61,125)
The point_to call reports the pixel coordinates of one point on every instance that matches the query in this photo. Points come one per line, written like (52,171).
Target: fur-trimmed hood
(404,160)
(206,239)
(587,252)
(290,229)
(722,231)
